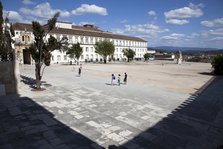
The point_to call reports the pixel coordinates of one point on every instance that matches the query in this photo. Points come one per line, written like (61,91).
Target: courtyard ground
(158,108)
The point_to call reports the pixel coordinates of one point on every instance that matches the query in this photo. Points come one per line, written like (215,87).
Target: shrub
(217,64)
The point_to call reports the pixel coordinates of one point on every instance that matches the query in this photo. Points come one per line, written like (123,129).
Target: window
(86,40)
(82,40)
(16,33)
(58,58)
(86,49)
(76,39)
(52,58)
(70,39)
(23,38)
(87,56)
(92,49)
(65,57)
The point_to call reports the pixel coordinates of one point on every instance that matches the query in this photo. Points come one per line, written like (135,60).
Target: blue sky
(190,23)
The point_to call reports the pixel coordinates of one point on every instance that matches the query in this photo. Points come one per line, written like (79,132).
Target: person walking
(79,70)
(113,79)
(119,79)
(125,78)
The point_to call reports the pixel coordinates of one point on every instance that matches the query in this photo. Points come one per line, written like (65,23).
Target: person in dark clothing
(125,78)
(79,70)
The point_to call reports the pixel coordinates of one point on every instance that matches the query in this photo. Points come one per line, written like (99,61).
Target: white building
(86,35)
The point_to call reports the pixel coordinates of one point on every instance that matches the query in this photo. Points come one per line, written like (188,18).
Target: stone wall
(7,78)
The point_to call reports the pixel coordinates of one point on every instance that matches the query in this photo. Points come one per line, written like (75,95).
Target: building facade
(86,35)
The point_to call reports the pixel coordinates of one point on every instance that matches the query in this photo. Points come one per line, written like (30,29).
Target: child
(119,79)
(113,79)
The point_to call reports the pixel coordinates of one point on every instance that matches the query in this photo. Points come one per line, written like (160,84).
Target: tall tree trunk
(38,75)
(78,61)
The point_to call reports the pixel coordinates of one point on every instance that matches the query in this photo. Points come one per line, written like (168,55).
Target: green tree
(6,32)
(75,51)
(146,56)
(104,48)
(217,64)
(129,53)
(41,48)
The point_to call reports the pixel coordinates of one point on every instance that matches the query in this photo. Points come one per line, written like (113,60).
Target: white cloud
(217,39)
(13,16)
(215,32)
(90,9)
(216,42)
(83,23)
(193,35)
(152,13)
(177,21)
(179,16)
(174,38)
(124,21)
(43,11)
(28,2)
(218,31)
(213,23)
(177,35)
(192,11)
(141,29)
(169,38)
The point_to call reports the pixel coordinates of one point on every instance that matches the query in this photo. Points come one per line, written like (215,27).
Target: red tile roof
(81,31)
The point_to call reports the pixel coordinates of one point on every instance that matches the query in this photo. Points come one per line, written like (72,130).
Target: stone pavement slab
(85,112)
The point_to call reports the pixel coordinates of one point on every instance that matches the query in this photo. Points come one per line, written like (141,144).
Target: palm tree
(104,48)
(41,49)
(75,51)
(129,53)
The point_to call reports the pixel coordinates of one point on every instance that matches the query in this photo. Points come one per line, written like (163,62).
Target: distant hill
(173,49)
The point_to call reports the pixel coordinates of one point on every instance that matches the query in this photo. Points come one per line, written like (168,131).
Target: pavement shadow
(115,84)
(24,124)
(196,124)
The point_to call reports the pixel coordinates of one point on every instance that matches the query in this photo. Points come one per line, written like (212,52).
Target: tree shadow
(207,73)
(32,82)
(196,124)
(27,125)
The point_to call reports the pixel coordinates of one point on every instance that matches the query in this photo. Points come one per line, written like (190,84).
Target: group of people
(119,79)
(113,77)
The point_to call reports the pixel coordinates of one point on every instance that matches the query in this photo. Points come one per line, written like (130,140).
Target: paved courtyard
(87,112)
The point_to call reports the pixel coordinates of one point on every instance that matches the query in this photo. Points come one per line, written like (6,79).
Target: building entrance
(26,57)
